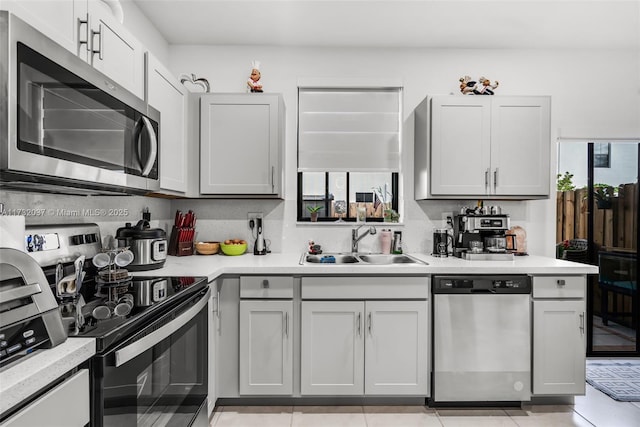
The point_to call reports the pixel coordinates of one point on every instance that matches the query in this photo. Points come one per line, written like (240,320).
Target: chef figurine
(253,83)
(467,85)
(485,87)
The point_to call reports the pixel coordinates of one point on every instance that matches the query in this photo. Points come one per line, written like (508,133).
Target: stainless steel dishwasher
(481,339)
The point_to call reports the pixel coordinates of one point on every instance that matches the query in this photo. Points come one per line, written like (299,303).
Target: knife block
(177,247)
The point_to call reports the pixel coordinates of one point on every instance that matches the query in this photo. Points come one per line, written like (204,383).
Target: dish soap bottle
(396,248)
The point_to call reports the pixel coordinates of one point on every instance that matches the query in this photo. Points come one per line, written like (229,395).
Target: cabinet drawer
(559,286)
(374,287)
(266,287)
(47,410)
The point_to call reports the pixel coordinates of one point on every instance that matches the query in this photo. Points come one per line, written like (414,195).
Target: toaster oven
(30,317)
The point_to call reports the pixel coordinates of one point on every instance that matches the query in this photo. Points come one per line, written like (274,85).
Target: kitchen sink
(358,259)
(331,259)
(387,259)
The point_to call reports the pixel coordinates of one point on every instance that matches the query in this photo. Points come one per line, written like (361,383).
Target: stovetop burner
(110,311)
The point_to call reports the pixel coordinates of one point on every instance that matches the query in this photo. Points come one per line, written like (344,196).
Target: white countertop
(34,372)
(213,266)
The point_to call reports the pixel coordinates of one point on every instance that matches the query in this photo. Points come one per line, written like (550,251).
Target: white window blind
(355,130)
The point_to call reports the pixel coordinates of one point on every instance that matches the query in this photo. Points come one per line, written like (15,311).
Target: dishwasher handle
(482,291)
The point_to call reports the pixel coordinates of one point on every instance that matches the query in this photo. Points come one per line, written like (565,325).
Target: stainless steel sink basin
(331,259)
(358,259)
(387,259)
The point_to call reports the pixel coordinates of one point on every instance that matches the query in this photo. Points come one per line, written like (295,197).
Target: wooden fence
(614,227)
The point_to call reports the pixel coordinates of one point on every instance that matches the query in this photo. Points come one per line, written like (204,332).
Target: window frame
(395,180)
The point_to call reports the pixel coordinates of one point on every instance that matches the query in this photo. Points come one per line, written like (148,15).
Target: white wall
(589,88)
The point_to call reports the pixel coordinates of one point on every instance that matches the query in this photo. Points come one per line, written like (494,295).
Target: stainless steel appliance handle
(137,348)
(154,147)
(19,293)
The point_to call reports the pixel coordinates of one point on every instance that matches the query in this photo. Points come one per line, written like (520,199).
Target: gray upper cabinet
(241,145)
(482,146)
(166,94)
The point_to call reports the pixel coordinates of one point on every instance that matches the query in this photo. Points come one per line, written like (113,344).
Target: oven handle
(137,348)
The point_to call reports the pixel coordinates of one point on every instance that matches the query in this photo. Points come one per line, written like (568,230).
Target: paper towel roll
(12,232)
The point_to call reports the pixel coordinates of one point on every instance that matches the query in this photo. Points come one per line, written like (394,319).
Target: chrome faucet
(355,238)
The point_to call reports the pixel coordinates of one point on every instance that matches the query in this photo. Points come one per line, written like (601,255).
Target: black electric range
(110,313)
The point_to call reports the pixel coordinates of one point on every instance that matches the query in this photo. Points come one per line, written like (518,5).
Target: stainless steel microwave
(67,128)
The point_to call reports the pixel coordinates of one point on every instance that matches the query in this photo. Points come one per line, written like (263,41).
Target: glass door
(597,223)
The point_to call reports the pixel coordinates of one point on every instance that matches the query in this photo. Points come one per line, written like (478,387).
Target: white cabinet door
(396,353)
(166,94)
(266,347)
(559,347)
(114,51)
(241,144)
(460,145)
(332,354)
(520,145)
(63,21)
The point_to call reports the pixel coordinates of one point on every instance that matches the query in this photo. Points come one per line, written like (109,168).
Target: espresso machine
(479,236)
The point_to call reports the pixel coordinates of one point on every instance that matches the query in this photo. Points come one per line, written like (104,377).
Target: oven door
(159,376)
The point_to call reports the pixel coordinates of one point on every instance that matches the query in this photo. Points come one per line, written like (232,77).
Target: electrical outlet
(447,217)
(253,216)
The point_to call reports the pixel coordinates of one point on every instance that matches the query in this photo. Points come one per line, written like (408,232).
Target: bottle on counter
(397,242)
(385,241)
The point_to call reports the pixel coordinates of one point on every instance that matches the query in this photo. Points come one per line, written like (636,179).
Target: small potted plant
(313,212)
(602,193)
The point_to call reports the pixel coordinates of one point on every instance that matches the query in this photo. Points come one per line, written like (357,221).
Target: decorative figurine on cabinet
(484,87)
(467,85)
(253,83)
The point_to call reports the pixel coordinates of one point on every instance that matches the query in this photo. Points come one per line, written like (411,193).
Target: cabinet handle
(286,324)
(561,282)
(495,179)
(370,323)
(81,42)
(273,181)
(265,284)
(359,324)
(486,179)
(582,323)
(93,35)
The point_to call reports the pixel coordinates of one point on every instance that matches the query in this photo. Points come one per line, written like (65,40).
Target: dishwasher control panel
(519,284)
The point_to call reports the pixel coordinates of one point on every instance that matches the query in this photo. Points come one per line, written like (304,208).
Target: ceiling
(399,23)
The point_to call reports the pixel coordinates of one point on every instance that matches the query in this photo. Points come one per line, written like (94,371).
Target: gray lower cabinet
(559,338)
(266,334)
(266,347)
(72,394)
(357,340)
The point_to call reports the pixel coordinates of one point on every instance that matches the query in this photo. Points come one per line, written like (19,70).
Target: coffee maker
(442,242)
(482,236)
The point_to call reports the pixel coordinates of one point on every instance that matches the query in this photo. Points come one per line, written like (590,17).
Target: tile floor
(593,409)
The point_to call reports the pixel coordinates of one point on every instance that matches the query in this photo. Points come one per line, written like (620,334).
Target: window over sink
(349,142)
